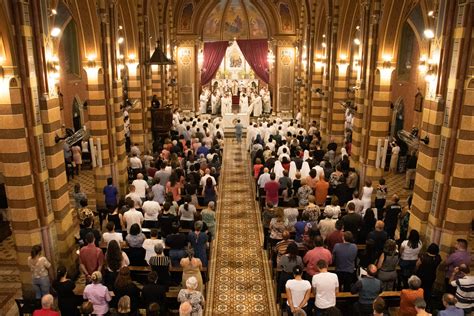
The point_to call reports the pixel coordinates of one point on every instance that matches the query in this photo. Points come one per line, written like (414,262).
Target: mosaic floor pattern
(240,278)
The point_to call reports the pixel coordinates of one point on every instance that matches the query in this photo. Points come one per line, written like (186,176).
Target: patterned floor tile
(240,278)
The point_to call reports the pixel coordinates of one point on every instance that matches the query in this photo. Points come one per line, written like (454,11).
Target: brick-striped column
(66,222)
(17,173)
(379,120)
(443,199)
(317,82)
(98,128)
(136,114)
(339,94)
(33,163)
(121,162)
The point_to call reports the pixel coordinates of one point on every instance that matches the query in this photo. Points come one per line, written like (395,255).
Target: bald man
(449,302)
(141,187)
(379,236)
(368,288)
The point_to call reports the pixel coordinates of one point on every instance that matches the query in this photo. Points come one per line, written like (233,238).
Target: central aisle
(240,277)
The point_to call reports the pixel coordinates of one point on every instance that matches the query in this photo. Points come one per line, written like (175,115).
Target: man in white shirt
(204,178)
(130,217)
(141,186)
(150,243)
(135,162)
(134,196)
(151,209)
(264,178)
(359,205)
(326,286)
(110,234)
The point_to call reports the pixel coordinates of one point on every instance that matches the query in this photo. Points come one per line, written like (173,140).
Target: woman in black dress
(426,267)
(64,288)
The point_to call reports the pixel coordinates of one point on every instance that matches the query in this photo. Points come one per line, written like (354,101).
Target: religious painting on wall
(186,17)
(212,27)
(258,28)
(285,16)
(235,21)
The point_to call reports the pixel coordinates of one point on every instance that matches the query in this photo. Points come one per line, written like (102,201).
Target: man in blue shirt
(238,131)
(110,192)
(344,255)
(449,302)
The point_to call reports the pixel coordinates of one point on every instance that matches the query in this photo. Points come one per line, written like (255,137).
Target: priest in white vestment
(244,103)
(226,104)
(267,104)
(256,105)
(214,102)
(203,99)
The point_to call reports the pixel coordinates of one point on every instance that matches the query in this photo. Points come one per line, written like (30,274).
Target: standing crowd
(162,226)
(326,236)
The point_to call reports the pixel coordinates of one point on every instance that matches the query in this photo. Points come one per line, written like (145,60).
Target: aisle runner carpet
(240,278)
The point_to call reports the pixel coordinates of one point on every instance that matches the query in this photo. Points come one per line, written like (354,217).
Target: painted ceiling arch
(228,19)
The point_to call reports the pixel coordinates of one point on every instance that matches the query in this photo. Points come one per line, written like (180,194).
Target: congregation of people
(325,236)
(153,241)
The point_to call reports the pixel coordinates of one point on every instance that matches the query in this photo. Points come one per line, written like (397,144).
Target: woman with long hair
(368,225)
(191,268)
(174,187)
(125,286)
(426,267)
(387,265)
(409,250)
(64,288)
(209,192)
(39,267)
(115,259)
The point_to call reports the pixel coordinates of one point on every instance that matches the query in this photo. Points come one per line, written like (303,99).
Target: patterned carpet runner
(240,278)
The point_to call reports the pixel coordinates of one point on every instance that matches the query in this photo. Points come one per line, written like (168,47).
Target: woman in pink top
(97,294)
(174,187)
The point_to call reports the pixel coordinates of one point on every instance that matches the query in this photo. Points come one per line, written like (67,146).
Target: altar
(229,120)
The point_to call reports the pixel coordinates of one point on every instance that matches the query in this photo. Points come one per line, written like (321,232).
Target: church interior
(238,150)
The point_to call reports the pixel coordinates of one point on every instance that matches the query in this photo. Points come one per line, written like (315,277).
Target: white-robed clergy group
(219,100)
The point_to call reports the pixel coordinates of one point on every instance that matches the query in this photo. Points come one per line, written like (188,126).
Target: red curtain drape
(214,52)
(255,52)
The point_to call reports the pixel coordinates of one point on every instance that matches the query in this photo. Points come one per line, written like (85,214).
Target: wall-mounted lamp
(318,91)
(53,12)
(319,61)
(387,61)
(270,58)
(53,66)
(120,40)
(428,33)
(356,41)
(55,31)
(324,45)
(91,60)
